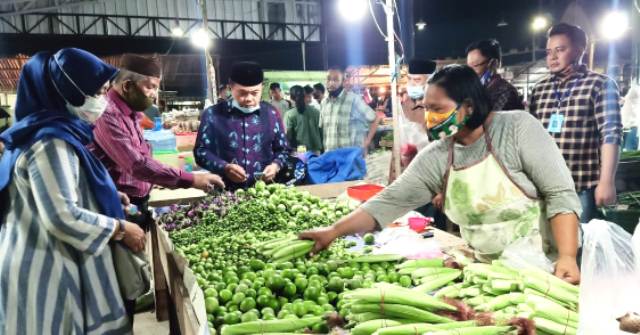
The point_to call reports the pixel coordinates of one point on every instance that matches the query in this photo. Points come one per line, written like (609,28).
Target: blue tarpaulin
(335,166)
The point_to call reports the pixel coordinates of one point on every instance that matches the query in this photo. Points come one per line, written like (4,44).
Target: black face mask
(136,99)
(336,93)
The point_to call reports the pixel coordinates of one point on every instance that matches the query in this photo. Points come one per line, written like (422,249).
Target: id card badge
(555,124)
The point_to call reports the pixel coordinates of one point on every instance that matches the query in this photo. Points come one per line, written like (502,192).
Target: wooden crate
(178,296)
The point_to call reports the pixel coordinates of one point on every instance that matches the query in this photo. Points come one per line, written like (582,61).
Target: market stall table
(174,279)
(187,298)
(161,197)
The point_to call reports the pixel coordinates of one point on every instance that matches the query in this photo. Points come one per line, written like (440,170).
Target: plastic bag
(406,242)
(610,278)
(526,253)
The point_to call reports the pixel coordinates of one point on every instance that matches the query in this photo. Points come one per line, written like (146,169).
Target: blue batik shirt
(228,136)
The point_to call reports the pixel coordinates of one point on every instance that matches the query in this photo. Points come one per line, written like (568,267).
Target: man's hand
(207,181)
(438,201)
(605,193)
(270,172)
(567,269)
(235,173)
(365,149)
(124,199)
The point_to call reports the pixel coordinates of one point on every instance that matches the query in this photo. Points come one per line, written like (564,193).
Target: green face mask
(448,127)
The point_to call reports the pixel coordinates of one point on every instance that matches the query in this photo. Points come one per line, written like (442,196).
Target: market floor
(146,323)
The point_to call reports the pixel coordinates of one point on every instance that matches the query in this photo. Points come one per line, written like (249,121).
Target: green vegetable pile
(533,294)
(505,301)
(251,266)
(257,277)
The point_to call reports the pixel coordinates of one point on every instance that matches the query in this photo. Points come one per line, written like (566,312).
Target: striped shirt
(345,121)
(121,147)
(56,269)
(591,111)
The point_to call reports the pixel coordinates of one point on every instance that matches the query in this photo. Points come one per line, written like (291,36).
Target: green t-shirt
(304,128)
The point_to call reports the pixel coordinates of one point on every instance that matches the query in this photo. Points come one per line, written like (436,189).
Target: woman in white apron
(502,176)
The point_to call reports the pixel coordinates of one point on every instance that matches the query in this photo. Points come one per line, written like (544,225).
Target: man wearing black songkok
(242,138)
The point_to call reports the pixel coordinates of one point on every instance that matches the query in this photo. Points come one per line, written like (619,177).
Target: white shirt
(630,111)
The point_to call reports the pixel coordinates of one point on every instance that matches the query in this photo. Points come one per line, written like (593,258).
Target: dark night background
(451,26)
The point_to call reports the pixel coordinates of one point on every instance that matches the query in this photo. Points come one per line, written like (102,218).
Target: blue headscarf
(43,90)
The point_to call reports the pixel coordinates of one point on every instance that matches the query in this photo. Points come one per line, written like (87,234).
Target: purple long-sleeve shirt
(229,136)
(120,145)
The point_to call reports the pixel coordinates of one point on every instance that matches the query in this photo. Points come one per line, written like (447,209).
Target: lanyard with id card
(555,123)
(557,119)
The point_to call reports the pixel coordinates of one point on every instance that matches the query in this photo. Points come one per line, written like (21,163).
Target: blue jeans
(588,202)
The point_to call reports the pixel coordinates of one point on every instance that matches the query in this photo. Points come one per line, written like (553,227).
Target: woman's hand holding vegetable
(323,237)
(358,221)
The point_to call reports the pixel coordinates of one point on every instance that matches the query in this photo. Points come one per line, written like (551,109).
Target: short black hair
(462,85)
(319,87)
(308,89)
(297,95)
(488,48)
(274,86)
(576,35)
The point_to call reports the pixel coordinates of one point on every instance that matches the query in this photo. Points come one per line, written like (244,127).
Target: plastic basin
(364,192)
(418,224)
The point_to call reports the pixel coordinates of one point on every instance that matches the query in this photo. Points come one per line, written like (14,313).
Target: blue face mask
(415,92)
(484,79)
(245,110)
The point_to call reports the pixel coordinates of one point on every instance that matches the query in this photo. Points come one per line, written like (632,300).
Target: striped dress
(56,271)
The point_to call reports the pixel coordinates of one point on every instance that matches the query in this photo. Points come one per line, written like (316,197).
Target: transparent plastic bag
(610,278)
(526,253)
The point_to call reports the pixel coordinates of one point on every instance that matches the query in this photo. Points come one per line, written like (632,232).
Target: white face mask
(92,108)
(415,92)
(246,110)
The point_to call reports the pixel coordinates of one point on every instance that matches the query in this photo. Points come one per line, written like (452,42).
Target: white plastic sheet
(610,278)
